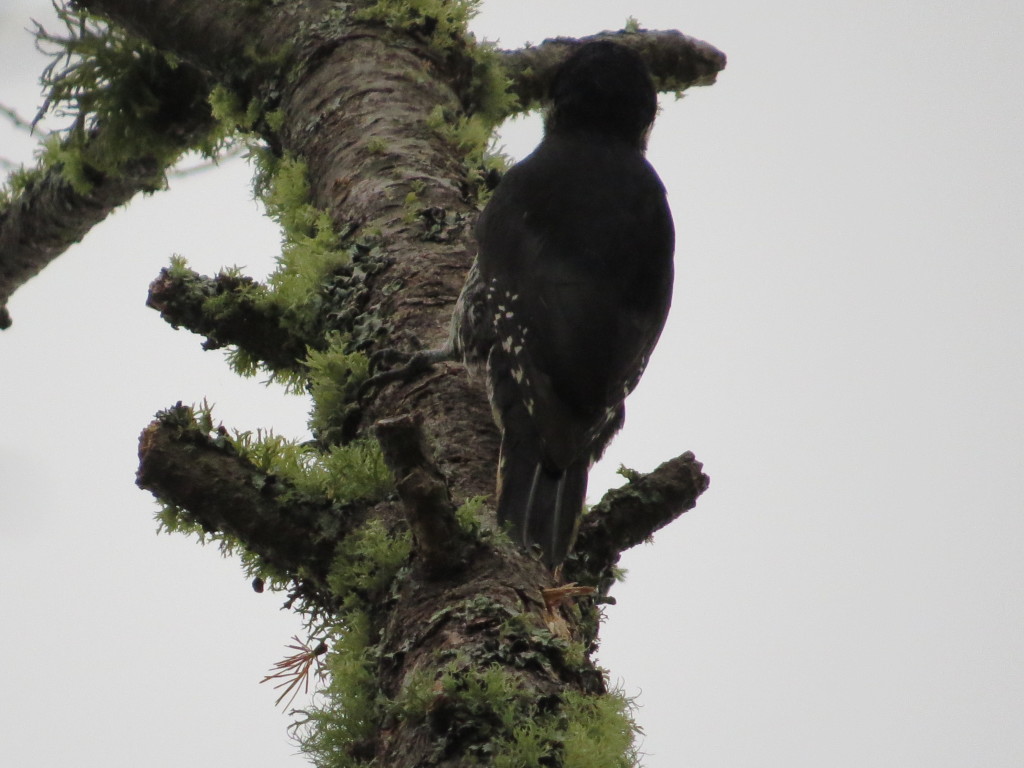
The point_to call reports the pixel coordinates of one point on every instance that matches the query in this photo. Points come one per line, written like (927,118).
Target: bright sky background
(845,354)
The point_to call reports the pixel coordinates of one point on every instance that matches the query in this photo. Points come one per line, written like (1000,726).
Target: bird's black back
(580,239)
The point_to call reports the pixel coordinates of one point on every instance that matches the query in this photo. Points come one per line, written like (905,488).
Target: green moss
(588,731)
(600,731)
(16,183)
(310,251)
(344,474)
(414,700)
(174,519)
(468,515)
(441,21)
(492,717)
(282,185)
(335,375)
(332,734)
(376,146)
(490,94)
(529,746)
(367,561)
(69,159)
(489,696)
(478,704)
(101,77)
(247,365)
(227,107)
(179,269)
(631,475)
(275,120)
(473,135)
(473,707)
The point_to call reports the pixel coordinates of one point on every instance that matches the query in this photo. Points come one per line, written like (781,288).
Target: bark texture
(357,98)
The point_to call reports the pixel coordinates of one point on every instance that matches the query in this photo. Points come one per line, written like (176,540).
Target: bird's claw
(411,365)
(389,358)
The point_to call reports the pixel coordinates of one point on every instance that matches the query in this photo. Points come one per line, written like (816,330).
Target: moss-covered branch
(676,61)
(631,514)
(47,214)
(228,309)
(234,40)
(133,113)
(205,483)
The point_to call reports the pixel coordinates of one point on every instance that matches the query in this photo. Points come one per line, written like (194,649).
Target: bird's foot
(410,365)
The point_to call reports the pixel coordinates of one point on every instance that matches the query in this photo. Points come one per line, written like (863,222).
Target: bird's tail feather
(538,505)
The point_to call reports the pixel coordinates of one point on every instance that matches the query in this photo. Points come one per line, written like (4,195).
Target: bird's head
(603,88)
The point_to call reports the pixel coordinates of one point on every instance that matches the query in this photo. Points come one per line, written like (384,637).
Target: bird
(569,291)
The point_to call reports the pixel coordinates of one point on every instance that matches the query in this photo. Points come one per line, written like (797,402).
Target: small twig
(411,366)
(293,670)
(206,165)
(424,492)
(15,119)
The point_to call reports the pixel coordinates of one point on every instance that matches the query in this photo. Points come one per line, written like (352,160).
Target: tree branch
(631,514)
(676,61)
(228,309)
(210,484)
(227,38)
(52,210)
(440,542)
(50,215)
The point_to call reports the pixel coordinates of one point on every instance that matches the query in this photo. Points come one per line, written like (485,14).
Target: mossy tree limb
(676,61)
(50,215)
(230,39)
(227,309)
(631,514)
(80,183)
(213,487)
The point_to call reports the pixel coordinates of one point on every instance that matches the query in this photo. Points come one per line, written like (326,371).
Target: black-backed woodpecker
(570,290)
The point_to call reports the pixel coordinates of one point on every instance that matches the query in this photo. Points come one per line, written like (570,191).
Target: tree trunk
(448,645)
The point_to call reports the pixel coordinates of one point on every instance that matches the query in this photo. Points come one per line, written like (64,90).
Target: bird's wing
(579,256)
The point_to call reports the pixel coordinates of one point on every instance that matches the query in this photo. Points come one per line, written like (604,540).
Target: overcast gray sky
(845,354)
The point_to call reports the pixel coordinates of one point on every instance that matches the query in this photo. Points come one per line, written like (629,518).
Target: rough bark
(346,90)
(51,215)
